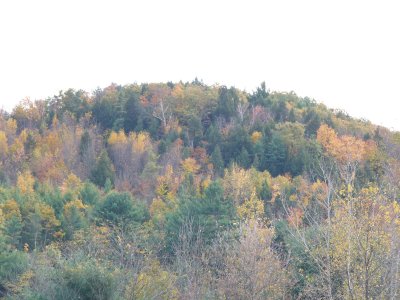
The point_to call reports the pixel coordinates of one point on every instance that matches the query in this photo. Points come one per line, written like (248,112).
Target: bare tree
(242,109)
(253,270)
(190,262)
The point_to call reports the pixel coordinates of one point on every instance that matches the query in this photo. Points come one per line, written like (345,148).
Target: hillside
(188,191)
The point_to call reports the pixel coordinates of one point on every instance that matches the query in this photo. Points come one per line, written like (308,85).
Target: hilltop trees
(188,191)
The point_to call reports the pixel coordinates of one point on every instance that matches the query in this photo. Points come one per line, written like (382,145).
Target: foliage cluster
(188,191)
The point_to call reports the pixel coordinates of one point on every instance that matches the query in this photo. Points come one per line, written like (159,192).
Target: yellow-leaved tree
(3,145)
(365,245)
(25,182)
(348,152)
(11,222)
(252,208)
(153,283)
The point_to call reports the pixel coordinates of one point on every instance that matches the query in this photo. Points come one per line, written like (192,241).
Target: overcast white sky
(345,54)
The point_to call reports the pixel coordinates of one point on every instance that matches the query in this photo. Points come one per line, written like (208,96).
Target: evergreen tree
(260,96)
(313,122)
(195,131)
(213,138)
(265,194)
(217,161)
(162,147)
(84,144)
(275,155)
(209,214)
(89,194)
(244,159)
(281,111)
(121,208)
(104,113)
(227,102)
(103,170)
(134,112)
(237,140)
(291,117)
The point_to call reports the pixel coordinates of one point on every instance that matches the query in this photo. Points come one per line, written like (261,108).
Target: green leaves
(121,208)
(210,213)
(103,170)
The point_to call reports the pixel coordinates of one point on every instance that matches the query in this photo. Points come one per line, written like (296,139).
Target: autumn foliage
(189,191)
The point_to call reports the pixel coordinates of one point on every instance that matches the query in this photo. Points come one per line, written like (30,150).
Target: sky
(345,54)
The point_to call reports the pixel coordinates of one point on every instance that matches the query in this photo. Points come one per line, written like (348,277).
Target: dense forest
(188,191)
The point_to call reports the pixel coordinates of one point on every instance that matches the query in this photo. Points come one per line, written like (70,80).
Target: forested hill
(188,191)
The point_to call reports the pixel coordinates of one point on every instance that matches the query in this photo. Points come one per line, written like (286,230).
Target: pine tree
(209,214)
(84,144)
(217,161)
(275,155)
(103,170)
(244,158)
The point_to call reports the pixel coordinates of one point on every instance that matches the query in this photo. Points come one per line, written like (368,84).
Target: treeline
(188,191)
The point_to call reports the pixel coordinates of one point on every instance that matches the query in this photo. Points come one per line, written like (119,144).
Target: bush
(12,264)
(90,281)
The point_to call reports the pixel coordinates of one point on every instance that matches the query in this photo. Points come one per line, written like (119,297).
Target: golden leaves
(178,91)
(25,183)
(11,126)
(157,208)
(256,136)
(71,183)
(239,183)
(167,184)
(319,190)
(74,205)
(345,148)
(153,282)
(3,144)
(190,165)
(117,138)
(252,208)
(10,208)
(140,141)
(279,186)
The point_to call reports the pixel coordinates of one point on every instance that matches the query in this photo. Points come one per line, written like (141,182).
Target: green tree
(265,194)
(237,140)
(313,122)
(244,159)
(275,155)
(292,116)
(134,112)
(217,161)
(89,193)
(281,111)
(103,170)
(209,214)
(12,264)
(121,208)
(75,102)
(90,280)
(260,96)
(84,144)
(74,217)
(213,138)
(227,102)
(195,131)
